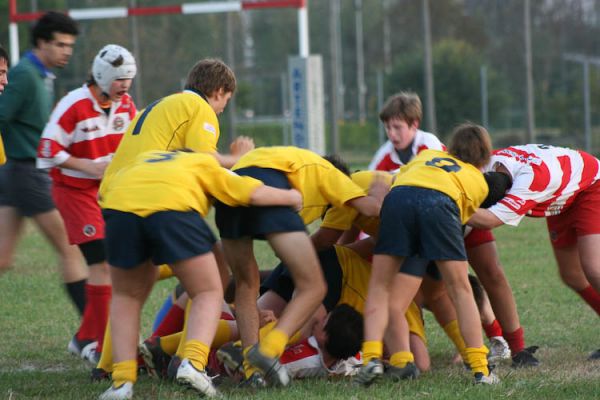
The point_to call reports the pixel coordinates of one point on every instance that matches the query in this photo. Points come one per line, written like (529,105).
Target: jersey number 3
(447,164)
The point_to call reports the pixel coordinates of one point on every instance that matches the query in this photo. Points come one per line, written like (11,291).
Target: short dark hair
(338,162)
(52,22)
(344,330)
(209,75)
(498,184)
(403,105)
(472,144)
(3,54)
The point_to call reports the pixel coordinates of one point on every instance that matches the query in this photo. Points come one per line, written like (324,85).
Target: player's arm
(324,237)
(240,146)
(484,219)
(95,169)
(270,196)
(371,205)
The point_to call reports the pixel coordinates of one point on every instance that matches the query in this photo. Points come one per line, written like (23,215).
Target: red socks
(95,315)
(171,323)
(516,340)
(493,329)
(592,297)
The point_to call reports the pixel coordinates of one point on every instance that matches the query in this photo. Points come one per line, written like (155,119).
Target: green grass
(36,322)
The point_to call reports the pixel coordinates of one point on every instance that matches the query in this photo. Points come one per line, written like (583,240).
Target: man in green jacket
(25,107)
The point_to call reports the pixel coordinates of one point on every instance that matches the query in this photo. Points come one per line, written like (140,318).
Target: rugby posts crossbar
(210,7)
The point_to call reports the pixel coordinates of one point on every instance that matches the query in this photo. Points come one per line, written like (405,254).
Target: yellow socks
(197,353)
(124,371)
(453,331)
(477,359)
(106,360)
(274,343)
(401,358)
(372,349)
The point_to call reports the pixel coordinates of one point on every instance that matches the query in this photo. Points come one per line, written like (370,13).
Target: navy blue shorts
(417,266)
(165,237)
(256,222)
(25,187)
(420,222)
(280,280)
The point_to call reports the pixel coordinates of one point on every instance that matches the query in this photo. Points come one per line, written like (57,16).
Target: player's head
(53,37)
(478,291)
(401,116)
(471,143)
(338,162)
(498,184)
(344,330)
(214,79)
(3,68)
(113,70)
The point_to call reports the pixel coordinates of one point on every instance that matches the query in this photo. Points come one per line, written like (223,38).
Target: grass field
(36,322)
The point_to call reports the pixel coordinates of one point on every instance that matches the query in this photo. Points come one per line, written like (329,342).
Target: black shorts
(280,281)
(420,222)
(419,267)
(256,222)
(165,237)
(25,187)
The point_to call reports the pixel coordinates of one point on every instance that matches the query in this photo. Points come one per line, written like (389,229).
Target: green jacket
(25,107)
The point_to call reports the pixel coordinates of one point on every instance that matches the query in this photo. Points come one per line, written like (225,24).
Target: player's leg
(455,275)
(297,252)
(10,231)
(404,287)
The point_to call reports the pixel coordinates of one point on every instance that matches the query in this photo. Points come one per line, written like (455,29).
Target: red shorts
(580,219)
(80,210)
(477,237)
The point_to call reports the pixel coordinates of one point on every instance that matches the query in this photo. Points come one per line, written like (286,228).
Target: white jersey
(387,159)
(79,127)
(304,360)
(545,180)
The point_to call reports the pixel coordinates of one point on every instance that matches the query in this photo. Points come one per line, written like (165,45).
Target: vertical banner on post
(307,103)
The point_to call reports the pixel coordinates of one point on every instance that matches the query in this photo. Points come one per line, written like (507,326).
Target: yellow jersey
(343,218)
(320,183)
(356,273)
(438,170)
(2,152)
(177,181)
(180,120)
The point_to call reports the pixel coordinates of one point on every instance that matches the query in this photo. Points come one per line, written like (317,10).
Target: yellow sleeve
(340,218)
(2,153)
(338,188)
(202,132)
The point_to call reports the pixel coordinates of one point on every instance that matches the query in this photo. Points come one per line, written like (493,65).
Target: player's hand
(241,145)
(379,188)
(266,316)
(297,201)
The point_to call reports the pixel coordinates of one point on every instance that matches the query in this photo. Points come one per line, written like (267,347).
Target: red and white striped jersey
(78,127)
(387,159)
(545,178)
(304,360)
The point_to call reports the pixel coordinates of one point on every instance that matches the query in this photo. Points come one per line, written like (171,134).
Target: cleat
(594,356)
(499,349)
(173,367)
(409,371)
(370,373)
(256,381)
(123,392)
(188,375)
(155,359)
(99,375)
(490,379)
(86,349)
(525,358)
(231,357)
(275,373)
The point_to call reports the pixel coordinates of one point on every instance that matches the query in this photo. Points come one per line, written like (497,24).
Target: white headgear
(111,63)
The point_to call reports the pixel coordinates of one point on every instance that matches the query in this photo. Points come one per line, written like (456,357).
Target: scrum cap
(111,63)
